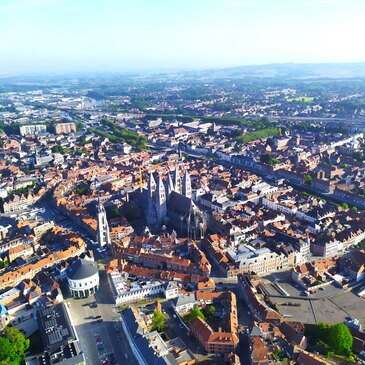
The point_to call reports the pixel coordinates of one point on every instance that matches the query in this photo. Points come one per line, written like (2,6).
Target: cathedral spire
(177,179)
(151,185)
(161,200)
(169,185)
(186,185)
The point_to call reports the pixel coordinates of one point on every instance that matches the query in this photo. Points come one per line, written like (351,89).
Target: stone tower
(151,186)
(177,179)
(161,200)
(186,185)
(103,233)
(169,185)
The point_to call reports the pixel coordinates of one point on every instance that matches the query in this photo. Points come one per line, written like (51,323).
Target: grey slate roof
(184,299)
(82,269)
(140,341)
(180,204)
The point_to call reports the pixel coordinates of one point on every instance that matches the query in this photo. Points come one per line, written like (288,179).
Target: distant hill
(291,71)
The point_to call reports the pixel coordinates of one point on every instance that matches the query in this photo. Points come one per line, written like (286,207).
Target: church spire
(169,185)
(186,185)
(151,185)
(161,200)
(177,179)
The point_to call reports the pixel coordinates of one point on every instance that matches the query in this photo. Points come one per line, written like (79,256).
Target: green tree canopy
(268,159)
(194,313)
(340,338)
(112,212)
(308,179)
(158,321)
(337,338)
(345,206)
(209,311)
(13,345)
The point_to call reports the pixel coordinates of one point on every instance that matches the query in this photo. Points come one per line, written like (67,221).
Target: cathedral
(169,203)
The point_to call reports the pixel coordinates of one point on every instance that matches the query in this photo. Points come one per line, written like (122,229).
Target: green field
(305,99)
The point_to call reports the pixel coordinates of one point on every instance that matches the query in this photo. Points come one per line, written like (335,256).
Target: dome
(82,269)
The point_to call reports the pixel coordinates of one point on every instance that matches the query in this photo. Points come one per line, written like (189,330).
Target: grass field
(305,99)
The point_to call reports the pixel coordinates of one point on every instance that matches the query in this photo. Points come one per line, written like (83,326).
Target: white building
(184,303)
(125,290)
(170,290)
(32,129)
(261,261)
(83,278)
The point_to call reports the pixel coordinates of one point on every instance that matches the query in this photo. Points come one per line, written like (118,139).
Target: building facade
(65,128)
(32,129)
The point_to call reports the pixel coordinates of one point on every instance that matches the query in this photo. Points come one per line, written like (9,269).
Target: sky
(61,36)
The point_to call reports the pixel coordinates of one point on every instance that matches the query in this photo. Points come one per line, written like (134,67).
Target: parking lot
(89,329)
(99,329)
(284,281)
(330,304)
(329,310)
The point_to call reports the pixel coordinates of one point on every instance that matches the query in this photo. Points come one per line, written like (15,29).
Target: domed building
(83,278)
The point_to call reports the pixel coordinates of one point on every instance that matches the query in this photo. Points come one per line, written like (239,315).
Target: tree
(340,338)
(80,191)
(308,179)
(268,159)
(13,345)
(158,321)
(335,338)
(209,311)
(112,212)
(4,263)
(358,156)
(345,206)
(194,313)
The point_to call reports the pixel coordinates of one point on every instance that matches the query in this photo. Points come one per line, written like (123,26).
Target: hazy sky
(123,35)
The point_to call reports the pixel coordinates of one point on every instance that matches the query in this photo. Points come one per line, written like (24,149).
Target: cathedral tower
(186,185)
(177,179)
(161,200)
(103,234)
(169,185)
(151,186)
